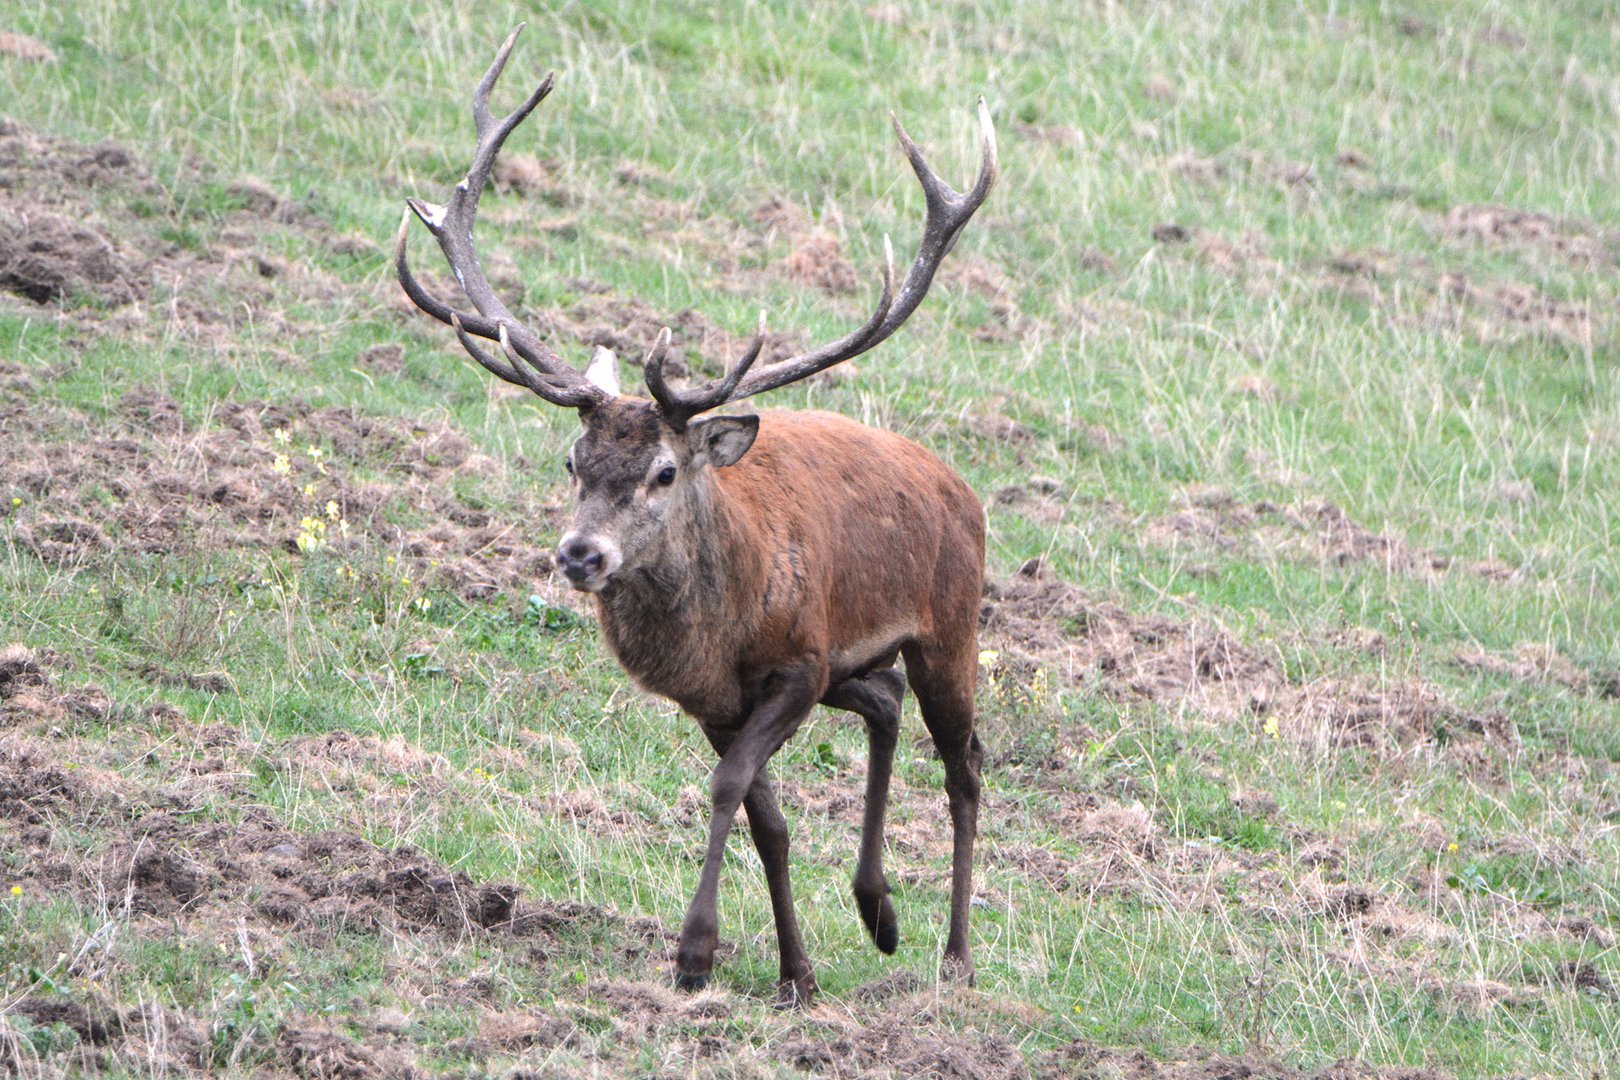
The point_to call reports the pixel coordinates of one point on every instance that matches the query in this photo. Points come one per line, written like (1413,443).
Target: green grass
(1242,366)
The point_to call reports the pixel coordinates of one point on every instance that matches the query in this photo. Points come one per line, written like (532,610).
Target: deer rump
(750,567)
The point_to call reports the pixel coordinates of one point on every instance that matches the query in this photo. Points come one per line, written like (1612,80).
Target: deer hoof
(878,915)
(690,983)
(796,993)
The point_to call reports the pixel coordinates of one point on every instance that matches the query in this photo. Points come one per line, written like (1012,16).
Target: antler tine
(517,373)
(561,389)
(948,211)
(680,406)
(652,370)
(452,225)
(481,115)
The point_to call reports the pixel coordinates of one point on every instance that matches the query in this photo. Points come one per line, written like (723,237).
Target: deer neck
(701,583)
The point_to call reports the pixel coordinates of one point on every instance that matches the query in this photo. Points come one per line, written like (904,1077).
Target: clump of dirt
(36,790)
(29,694)
(250,479)
(316,884)
(1083,1059)
(320,1052)
(1032,502)
(1129,829)
(365,762)
(1148,656)
(50,259)
(901,1045)
(1532,662)
(1191,165)
(527,175)
(1317,529)
(1240,256)
(1341,540)
(89,229)
(20,670)
(818,261)
(1497,311)
(1509,227)
(1332,713)
(25,47)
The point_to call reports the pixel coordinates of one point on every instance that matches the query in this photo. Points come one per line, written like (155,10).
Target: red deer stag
(750,567)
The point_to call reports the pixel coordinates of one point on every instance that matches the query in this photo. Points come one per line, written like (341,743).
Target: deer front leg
(796,984)
(770,725)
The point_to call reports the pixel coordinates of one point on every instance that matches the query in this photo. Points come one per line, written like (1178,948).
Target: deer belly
(850,658)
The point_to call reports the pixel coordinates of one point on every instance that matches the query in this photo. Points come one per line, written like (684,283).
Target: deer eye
(666,476)
(568,463)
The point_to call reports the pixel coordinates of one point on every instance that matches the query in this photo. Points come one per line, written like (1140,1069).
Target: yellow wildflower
(282,436)
(282,465)
(988,657)
(332,509)
(1271,729)
(16,890)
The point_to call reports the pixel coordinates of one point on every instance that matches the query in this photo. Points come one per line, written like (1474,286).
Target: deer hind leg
(875,698)
(943,679)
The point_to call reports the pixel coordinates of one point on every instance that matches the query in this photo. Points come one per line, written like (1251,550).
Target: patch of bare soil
(148,482)
(1497,311)
(1505,226)
(48,258)
(25,47)
(1149,656)
(316,884)
(1536,662)
(1315,529)
(1085,1060)
(818,262)
(320,1052)
(1039,624)
(904,1043)
(1419,294)
(87,231)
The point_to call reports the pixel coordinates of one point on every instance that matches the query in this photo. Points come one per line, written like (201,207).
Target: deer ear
(604,370)
(723,440)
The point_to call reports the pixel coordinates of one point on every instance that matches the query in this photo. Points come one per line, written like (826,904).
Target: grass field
(1283,357)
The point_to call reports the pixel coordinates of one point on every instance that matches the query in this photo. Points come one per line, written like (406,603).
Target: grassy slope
(1244,366)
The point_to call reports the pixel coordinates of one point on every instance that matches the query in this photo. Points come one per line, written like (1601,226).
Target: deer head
(642,469)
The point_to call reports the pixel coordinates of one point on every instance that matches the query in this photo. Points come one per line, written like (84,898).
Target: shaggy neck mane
(695,584)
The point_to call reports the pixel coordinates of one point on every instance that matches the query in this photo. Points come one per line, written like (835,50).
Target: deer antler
(948,212)
(531,363)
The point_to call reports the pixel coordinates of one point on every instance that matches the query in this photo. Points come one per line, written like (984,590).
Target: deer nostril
(593,561)
(578,549)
